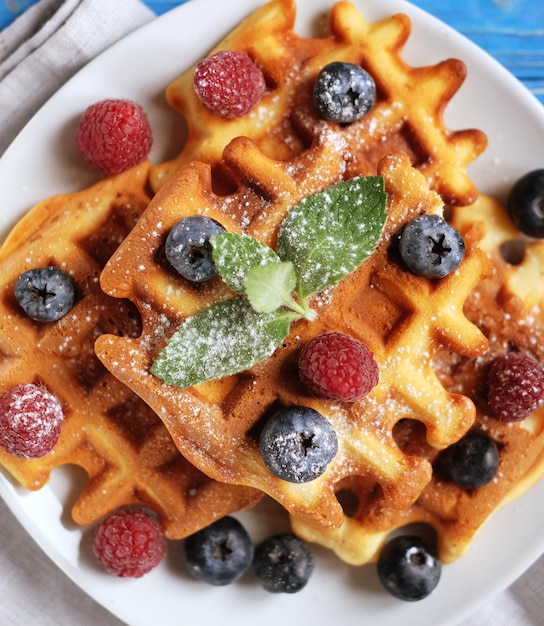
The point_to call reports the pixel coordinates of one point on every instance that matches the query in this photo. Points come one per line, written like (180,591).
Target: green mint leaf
(324,238)
(224,339)
(328,235)
(268,287)
(234,255)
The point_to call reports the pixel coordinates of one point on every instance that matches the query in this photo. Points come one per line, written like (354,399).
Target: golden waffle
(124,448)
(507,307)
(407,115)
(404,320)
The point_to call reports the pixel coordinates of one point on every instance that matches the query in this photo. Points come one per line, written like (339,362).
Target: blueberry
(297,444)
(283,563)
(220,553)
(343,92)
(472,462)
(188,248)
(430,247)
(45,294)
(409,568)
(525,204)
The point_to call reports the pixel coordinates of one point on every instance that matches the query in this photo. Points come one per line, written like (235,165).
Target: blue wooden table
(510,30)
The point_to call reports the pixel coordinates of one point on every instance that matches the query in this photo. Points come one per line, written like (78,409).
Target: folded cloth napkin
(48,44)
(34,590)
(522,604)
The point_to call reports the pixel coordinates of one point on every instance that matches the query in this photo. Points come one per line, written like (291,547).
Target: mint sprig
(222,340)
(322,240)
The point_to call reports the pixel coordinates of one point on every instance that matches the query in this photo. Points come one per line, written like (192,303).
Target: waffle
(404,320)
(407,115)
(507,307)
(126,452)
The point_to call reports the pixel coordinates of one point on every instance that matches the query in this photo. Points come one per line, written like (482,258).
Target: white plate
(42,162)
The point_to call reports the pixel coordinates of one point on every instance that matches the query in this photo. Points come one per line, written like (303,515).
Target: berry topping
(114,135)
(515,386)
(45,294)
(283,563)
(525,204)
(343,92)
(30,421)
(321,240)
(188,248)
(229,83)
(472,462)
(430,247)
(334,366)
(297,444)
(129,543)
(408,568)
(220,553)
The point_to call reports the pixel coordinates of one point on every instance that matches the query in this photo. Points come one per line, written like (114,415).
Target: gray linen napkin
(48,44)
(522,604)
(35,592)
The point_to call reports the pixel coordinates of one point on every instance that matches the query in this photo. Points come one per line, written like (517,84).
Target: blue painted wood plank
(512,31)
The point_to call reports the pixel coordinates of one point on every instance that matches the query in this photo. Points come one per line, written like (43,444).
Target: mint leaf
(330,234)
(324,238)
(224,339)
(268,287)
(234,255)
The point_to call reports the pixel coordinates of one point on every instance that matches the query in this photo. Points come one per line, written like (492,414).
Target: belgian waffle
(116,438)
(507,307)
(404,319)
(407,115)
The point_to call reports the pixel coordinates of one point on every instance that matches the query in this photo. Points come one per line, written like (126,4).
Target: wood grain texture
(512,31)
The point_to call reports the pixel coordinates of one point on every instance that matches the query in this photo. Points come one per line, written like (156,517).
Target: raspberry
(30,421)
(515,386)
(334,366)
(229,83)
(114,135)
(129,543)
